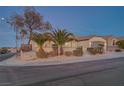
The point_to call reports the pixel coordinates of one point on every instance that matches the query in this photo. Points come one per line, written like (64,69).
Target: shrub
(100,50)
(41,54)
(26,47)
(120,44)
(68,53)
(3,51)
(101,45)
(118,50)
(96,50)
(78,52)
(52,54)
(92,51)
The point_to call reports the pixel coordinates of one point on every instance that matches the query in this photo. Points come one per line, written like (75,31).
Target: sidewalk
(59,60)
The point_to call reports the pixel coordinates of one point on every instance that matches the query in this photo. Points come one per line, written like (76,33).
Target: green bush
(120,44)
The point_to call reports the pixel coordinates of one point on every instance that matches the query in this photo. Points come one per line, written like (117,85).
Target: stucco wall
(84,44)
(97,39)
(72,45)
(69,46)
(47,46)
(100,39)
(110,41)
(34,46)
(110,46)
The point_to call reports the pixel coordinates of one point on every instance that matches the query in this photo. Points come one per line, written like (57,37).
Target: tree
(30,20)
(120,44)
(60,37)
(40,39)
(16,22)
(23,34)
(34,21)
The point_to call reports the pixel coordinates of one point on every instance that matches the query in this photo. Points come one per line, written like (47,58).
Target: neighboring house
(90,41)
(121,38)
(108,42)
(111,42)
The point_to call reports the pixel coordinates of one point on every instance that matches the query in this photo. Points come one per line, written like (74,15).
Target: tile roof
(83,38)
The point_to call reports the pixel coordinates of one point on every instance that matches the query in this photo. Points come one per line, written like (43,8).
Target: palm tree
(40,39)
(60,37)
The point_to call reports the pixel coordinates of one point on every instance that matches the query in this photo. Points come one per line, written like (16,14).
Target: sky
(81,21)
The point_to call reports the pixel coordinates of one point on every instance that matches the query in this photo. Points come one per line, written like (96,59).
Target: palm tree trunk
(61,50)
(41,53)
(58,50)
(41,49)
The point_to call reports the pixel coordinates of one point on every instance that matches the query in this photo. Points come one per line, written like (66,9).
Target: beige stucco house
(90,41)
(111,42)
(108,42)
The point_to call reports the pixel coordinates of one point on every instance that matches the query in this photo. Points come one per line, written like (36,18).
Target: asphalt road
(109,72)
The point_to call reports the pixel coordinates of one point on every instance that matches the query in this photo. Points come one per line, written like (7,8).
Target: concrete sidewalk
(59,60)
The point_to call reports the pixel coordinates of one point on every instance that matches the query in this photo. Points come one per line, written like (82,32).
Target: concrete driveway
(100,72)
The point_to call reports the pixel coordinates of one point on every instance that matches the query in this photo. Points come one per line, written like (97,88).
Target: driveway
(100,72)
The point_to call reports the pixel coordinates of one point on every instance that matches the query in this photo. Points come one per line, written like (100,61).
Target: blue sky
(79,20)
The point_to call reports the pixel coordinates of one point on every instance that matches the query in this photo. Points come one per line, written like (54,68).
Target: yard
(16,61)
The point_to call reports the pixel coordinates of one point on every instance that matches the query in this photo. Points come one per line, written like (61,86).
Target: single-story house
(108,42)
(111,42)
(121,38)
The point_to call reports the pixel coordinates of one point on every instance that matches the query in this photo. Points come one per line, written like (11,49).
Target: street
(100,72)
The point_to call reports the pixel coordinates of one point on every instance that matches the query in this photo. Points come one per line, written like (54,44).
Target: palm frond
(39,38)
(61,36)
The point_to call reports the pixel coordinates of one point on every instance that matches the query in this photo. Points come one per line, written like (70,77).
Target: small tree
(40,39)
(120,44)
